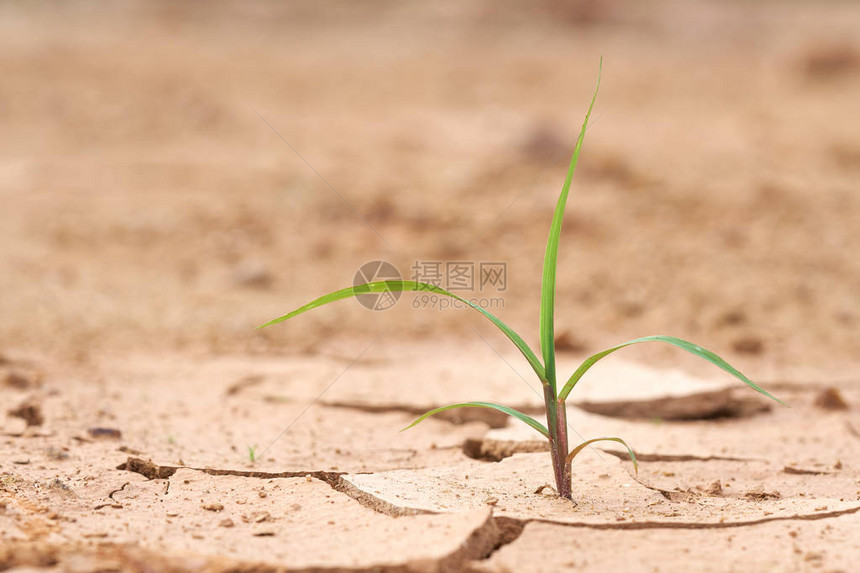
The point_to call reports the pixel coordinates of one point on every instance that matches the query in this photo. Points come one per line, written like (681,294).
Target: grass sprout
(544,366)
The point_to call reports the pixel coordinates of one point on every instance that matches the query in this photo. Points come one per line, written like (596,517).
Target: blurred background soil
(148,204)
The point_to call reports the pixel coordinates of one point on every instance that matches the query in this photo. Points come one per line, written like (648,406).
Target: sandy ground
(173,175)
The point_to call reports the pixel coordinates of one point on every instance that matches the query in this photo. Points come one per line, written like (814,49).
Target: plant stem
(559,456)
(556,420)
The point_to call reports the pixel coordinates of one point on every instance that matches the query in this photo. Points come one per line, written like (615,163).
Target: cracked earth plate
(813,440)
(454,373)
(289,523)
(824,545)
(605,494)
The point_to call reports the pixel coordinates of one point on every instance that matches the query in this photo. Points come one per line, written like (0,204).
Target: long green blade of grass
(509,411)
(582,446)
(415,286)
(547,299)
(688,346)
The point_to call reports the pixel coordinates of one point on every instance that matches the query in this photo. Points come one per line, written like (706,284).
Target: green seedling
(252,453)
(556,417)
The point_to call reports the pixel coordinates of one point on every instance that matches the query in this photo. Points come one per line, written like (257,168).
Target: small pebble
(104,433)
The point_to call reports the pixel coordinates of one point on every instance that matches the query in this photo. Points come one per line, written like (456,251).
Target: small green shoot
(252,453)
(556,415)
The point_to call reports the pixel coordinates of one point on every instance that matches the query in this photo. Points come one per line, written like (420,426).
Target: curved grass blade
(415,286)
(547,298)
(509,411)
(582,446)
(680,343)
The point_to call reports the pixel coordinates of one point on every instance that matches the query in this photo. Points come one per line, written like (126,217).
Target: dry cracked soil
(147,466)
(152,216)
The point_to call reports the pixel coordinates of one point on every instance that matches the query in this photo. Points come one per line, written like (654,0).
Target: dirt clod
(19,380)
(546,489)
(213,506)
(831,60)
(759,494)
(542,143)
(801,471)
(257,517)
(59,486)
(830,399)
(30,412)
(243,383)
(748,345)
(19,374)
(147,469)
(497,450)
(567,342)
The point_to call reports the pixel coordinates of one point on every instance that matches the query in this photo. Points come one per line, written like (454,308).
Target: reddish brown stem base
(560,465)
(557,424)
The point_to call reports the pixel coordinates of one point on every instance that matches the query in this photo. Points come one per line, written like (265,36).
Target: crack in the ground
(712,405)
(494,533)
(509,530)
(802,471)
(489,450)
(151,470)
(111,494)
(625,456)
(115,504)
(244,383)
(496,450)
(509,527)
(493,418)
(808,386)
(693,525)
(104,505)
(668,494)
